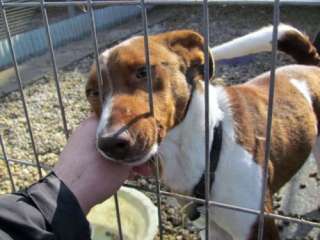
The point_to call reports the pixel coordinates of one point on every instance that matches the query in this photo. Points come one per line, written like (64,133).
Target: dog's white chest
(183,149)
(238,178)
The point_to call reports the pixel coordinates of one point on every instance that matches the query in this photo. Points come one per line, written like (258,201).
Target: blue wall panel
(35,42)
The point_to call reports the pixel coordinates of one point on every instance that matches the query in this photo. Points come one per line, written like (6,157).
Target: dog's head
(127,132)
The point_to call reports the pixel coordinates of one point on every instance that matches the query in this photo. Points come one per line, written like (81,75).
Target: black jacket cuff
(60,208)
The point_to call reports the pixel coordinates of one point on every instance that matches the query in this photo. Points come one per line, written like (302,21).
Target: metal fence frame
(90,5)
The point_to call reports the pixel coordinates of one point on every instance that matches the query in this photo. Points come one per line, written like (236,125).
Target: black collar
(192,87)
(199,189)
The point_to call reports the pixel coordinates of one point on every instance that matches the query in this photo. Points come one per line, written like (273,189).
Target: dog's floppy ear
(189,46)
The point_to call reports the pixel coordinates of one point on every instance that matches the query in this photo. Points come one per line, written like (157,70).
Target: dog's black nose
(115,146)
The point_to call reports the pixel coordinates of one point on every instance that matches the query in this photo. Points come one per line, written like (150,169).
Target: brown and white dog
(129,134)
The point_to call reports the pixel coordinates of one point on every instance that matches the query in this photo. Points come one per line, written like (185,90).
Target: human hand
(90,177)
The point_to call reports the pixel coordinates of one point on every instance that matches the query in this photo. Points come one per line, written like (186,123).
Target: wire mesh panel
(209,204)
(276,13)
(3,11)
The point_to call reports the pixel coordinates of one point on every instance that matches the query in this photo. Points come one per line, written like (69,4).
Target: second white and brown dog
(129,134)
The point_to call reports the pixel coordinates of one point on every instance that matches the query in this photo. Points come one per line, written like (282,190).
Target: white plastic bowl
(139,217)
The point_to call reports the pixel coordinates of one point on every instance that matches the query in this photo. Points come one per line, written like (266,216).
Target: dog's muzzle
(115,146)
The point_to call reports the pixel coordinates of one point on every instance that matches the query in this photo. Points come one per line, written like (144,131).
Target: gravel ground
(226,23)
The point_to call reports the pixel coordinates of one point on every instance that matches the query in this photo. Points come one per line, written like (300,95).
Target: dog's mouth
(146,169)
(134,160)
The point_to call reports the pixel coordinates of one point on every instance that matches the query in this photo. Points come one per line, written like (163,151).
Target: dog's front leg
(239,183)
(238,225)
(270,230)
(216,233)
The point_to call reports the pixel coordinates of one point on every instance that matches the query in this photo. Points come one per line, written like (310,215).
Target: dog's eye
(92,93)
(141,72)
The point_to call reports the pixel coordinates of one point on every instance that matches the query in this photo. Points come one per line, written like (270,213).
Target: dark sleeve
(46,210)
